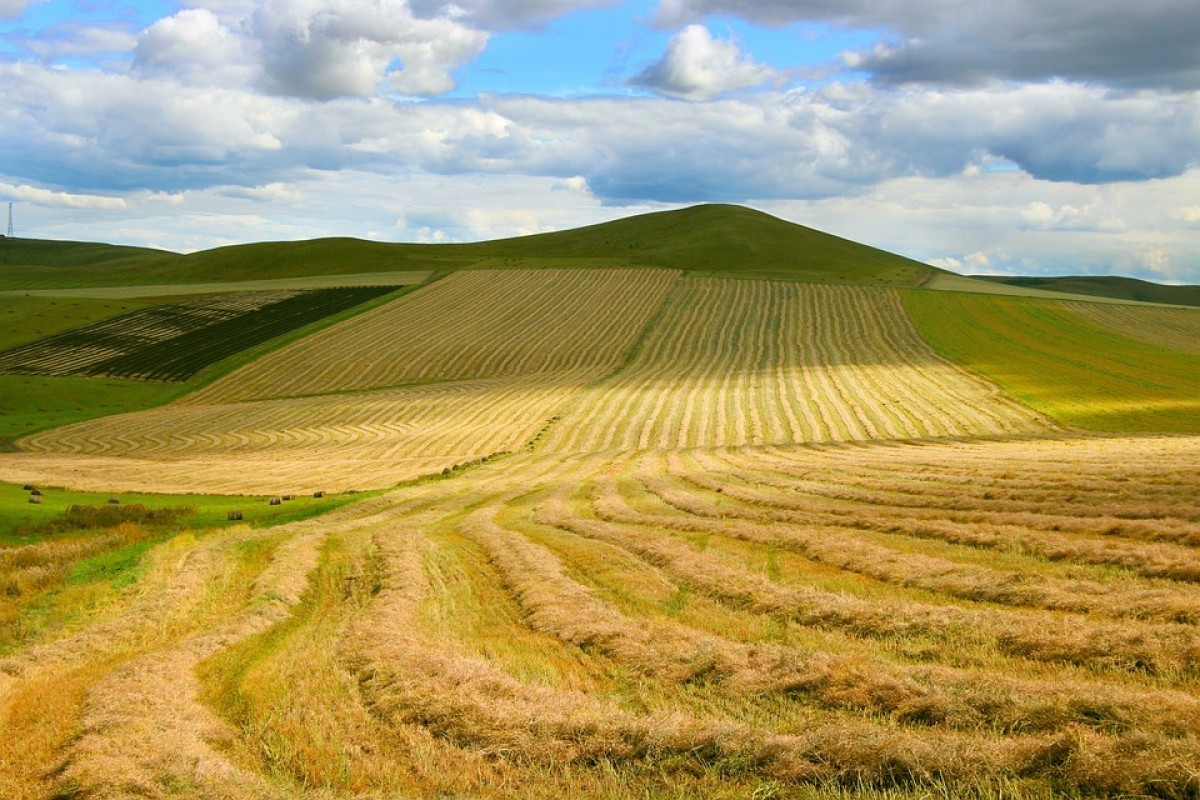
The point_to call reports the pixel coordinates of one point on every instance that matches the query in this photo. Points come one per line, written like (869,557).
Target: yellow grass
(754,541)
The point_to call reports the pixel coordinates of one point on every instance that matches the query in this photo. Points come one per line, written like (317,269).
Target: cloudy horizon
(1028,137)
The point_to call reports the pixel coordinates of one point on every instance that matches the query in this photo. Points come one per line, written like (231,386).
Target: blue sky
(1034,136)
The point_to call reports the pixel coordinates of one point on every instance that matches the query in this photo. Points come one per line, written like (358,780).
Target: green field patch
(22,522)
(33,403)
(175,341)
(1078,373)
(25,318)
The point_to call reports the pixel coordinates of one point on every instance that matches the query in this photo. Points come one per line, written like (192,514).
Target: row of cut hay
(953,697)
(76,352)
(472,324)
(744,362)
(954,571)
(950,629)
(1171,327)
(336,442)
(374,692)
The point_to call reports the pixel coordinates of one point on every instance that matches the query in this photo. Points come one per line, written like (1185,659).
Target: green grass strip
(1079,374)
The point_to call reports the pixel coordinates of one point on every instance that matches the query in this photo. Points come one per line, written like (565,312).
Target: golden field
(632,534)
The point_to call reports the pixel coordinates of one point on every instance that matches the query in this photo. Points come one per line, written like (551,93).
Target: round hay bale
(318,494)
(36,499)
(35,493)
(276,501)
(29,487)
(233,516)
(114,500)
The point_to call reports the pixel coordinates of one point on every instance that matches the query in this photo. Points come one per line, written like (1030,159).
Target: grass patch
(1079,374)
(26,319)
(31,403)
(23,523)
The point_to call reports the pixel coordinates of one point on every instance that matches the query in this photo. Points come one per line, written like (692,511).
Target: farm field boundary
(410,278)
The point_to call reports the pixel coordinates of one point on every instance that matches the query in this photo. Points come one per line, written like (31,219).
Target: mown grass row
(174,342)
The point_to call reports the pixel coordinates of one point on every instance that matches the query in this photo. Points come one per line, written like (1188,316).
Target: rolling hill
(726,240)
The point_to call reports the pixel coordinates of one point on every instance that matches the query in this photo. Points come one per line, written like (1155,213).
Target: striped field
(645,535)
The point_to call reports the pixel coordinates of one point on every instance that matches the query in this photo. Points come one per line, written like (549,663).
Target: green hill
(724,240)
(1107,286)
(714,239)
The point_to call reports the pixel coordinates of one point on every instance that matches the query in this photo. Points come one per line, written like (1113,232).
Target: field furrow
(844,365)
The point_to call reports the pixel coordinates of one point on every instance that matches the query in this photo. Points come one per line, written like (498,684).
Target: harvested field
(480,323)
(1171,327)
(582,361)
(706,622)
(676,537)
(754,362)
(173,342)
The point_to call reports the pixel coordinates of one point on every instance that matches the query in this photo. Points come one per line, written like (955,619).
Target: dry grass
(662,591)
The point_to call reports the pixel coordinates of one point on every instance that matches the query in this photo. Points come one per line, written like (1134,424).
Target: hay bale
(29,487)
(233,516)
(276,501)
(35,493)
(36,499)
(287,497)
(114,500)
(318,494)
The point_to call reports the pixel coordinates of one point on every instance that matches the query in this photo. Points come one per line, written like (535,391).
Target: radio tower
(10,227)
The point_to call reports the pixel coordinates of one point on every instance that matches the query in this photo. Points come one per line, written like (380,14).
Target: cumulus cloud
(961,42)
(46,197)
(73,39)
(193,46)
(312,49)
(11,9)
(120,131)
(318,49)
(495,15)
(697,66)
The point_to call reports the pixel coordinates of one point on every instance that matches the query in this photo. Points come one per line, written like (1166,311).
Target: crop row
(472,324)
(752,362)
(658,623)
(175,341)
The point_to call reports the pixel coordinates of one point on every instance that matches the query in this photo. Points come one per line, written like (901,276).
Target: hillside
(1106,286)
(724,240)
(711,239)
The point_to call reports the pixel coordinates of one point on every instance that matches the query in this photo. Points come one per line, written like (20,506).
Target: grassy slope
(1078,373)
(26,319)
(32,403)
(713,239)
(1108,286)
(721,240)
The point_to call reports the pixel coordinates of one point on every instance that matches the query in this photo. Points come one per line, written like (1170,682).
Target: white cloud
(697,66)
(74,39)
(955,221)
(494,15)
(52,199)
(965,42)
(312,49)
(321,50)
(194,47)
(11,9)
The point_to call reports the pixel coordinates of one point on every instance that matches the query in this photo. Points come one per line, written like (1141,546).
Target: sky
(1036,137)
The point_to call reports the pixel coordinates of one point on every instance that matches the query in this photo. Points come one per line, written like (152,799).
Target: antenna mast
(10,225)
